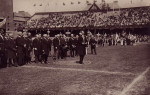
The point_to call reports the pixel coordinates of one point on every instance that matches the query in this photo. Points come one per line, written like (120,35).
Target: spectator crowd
(122,17)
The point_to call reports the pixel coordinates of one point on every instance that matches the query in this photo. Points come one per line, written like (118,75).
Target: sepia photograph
(74,47)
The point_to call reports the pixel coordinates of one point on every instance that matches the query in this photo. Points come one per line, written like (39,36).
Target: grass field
(115,70)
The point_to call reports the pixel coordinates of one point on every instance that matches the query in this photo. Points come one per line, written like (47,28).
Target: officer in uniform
(82,44)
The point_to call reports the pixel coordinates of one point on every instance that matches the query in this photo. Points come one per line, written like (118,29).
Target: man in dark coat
(72,45)
(56,43)
(21,45)
(37,45)
(82,44)
(28,48)
(76,44)
(45,48)
(93,44)
(50,44)
(11,51)
(63,47)
(3,59)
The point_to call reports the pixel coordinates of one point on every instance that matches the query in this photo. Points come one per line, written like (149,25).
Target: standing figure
(3,59)
(93,44)
(72,45)
(63,47)
(56,43)
(20,43)
(82,44)
(37,45)
(45,48)
(11,51)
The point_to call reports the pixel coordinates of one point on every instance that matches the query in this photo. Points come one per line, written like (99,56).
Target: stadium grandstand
(98,18)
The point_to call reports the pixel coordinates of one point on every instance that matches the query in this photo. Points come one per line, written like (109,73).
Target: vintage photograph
(74,47)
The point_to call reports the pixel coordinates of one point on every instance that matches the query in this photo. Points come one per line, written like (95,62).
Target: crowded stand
(122,17)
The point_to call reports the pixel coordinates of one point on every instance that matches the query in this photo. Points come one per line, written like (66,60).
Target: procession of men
(26,49)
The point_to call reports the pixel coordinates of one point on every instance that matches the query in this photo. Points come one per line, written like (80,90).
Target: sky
(57,5)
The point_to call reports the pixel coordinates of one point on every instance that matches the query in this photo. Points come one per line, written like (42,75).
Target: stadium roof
(22,14)
(33,6)
(72,5)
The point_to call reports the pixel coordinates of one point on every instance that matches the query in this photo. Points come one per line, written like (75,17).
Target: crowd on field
(25,49)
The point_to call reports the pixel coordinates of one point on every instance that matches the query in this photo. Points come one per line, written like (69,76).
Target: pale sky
(57,5)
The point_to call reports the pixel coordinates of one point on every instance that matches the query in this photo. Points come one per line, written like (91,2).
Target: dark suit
(37,45)
(45,49)
(82,44)
(11,51)
(56,44)
(63,48)
(20,43)
(28,49)
(3,59)
(93,45)
(72,46)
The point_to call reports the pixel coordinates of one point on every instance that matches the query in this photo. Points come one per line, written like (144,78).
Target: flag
(2,23)
(47,4)
(103,0)
(40,5)
(34,5)
(79,2)
(116,1)
(95,1)
(87,2)
(64,4)
(72,3)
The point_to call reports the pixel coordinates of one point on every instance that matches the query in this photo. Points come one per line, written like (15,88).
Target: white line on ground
(137,79)
(81,70)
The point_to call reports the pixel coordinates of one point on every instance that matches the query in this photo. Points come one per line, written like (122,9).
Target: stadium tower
(6,12)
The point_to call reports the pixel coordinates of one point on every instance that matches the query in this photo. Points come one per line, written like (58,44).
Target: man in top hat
(72,45)
(45,48)
(93,44)
(82,44)
(21,45)
(11,51)
(3,59)
(56,45)
(37,46)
